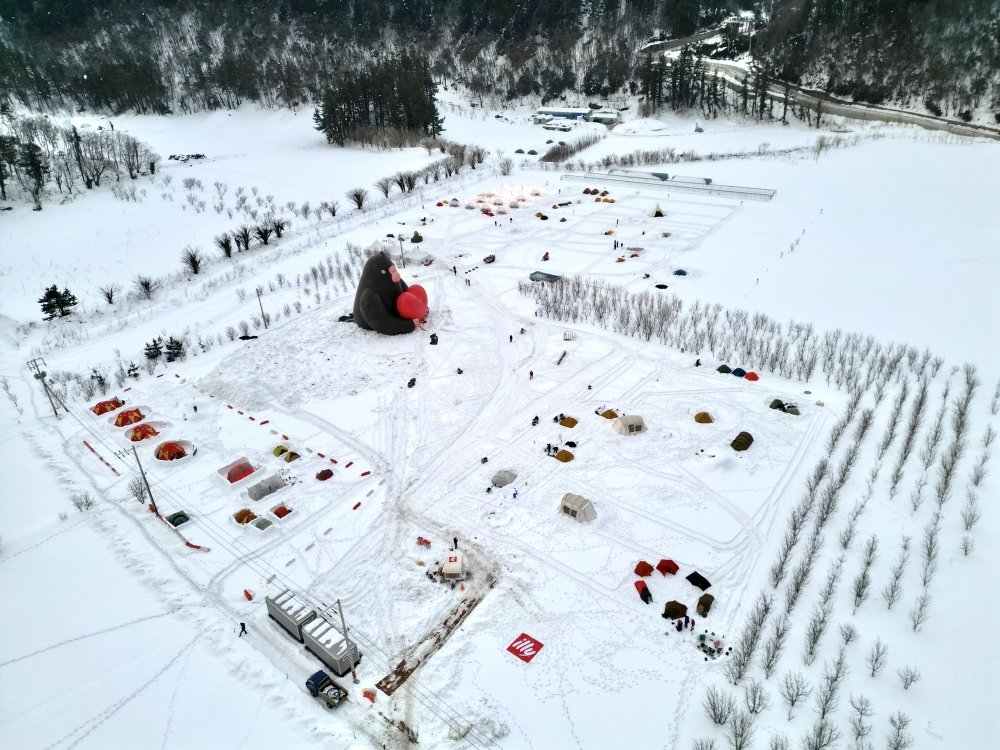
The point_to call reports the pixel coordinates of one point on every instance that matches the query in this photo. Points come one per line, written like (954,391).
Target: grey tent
(697,579)
(704,604)
(673,610)
(792,409)
(503,477)
(577,507)
(265,487)
(631,424)
(743,441)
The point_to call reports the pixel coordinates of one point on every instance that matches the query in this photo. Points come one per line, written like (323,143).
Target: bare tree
(908,676)
(822,736)
(968,545)
(384,185)
(506,166)
(83,501)
(704,744)
(877,657)
(241,236)
(898,737)
(137,489)
(778,742)
(192,260)
(718,705)
(263,233)
(357,196)
(794,689)
(740,730)
(109,293)
(280,225)
(145,286)
(861,712)
(756,698)
(970,513)
(919,613)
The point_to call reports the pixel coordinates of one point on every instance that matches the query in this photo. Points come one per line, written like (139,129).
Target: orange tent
(170,451)
(130,416)
(238,472)
(105,406)
(141,432)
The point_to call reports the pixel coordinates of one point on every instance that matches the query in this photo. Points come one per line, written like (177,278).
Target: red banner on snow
(525,647)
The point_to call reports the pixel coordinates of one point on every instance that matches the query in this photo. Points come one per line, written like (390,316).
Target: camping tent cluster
(738,372)
(786,406)
(673,609)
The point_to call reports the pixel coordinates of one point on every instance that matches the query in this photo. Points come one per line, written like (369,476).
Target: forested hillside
(185,55)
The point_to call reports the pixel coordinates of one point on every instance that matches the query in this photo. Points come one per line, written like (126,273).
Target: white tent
(631,424)
(577,507)
(503,477)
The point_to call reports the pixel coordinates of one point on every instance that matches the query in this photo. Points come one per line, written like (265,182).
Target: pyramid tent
(609,414)
(742,441)
(631,424)
(503,477)
(667,566)
(170,451)
(577,507)
(697,579)
(130,416)
(674,610)
(643,568)
(105,406)
(141,432)
(568,422)
(705,604)
(657,212)
(724,369)
(703,417)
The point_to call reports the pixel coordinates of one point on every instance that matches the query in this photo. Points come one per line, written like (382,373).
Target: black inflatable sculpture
(384,303)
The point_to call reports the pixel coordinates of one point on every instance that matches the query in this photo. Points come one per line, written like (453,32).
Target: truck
(290,612)
(323,687)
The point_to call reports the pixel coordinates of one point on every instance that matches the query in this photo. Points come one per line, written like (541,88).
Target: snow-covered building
(605,116)
(545,114)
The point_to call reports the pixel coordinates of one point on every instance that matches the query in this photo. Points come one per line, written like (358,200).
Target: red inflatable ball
(419,291)
(410,306)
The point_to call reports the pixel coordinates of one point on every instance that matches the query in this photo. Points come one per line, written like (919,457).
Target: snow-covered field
(116,634)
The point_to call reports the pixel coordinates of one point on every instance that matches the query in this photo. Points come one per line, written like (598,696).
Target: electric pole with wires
(35,365)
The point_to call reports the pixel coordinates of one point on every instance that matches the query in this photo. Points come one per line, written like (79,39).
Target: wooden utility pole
(149,489)
(35,367)
(263,316)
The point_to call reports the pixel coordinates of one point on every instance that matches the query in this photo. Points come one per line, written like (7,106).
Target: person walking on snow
(531,374)
(455,540)
(243,630)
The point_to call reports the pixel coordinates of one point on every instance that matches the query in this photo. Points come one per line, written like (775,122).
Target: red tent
(105,406)
(752,376)
(324,474)
(667,566)
(240,471)
(170,451)
(130,416)
(643,568)
(281,511)
(640,586)
(141,432)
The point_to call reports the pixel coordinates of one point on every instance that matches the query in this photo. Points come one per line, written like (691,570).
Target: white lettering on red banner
(525,647)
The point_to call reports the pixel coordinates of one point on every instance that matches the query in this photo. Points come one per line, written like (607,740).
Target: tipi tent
(697,579)
(674,610)
(141,432)
(705,604)
(503,477)
(703,417)
(743,441)
(105,406)
(629,424)
(578,507)
(129,416)
(657,212)
(170,451)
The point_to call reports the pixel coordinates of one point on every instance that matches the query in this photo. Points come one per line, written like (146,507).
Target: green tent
(724,369)
(743,441)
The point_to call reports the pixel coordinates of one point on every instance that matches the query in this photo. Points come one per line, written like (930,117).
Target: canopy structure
(142,432)
(742,441)
(667,566)
(674,610)
(697,579)
(105,406)
(629,424)
(578,507)
(703,417)
(503,477)
(170,451)
(129,416)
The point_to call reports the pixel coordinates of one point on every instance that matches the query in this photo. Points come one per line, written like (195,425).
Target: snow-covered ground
(116,634)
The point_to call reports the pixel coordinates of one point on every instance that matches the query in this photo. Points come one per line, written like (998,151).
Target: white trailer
(327,643)
(290,612)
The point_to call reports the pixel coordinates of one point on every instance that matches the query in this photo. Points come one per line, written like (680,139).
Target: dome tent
(503,477)
(105,406)
(129,416)
(739,372)
(141,432)
(724,369)
(578,507)
(170,451)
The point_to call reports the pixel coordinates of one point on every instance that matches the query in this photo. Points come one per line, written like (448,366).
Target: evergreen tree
(154,349)
(174,349)
(55,303)
(32,162)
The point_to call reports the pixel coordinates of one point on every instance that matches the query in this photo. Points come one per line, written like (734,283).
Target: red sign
(525,647)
